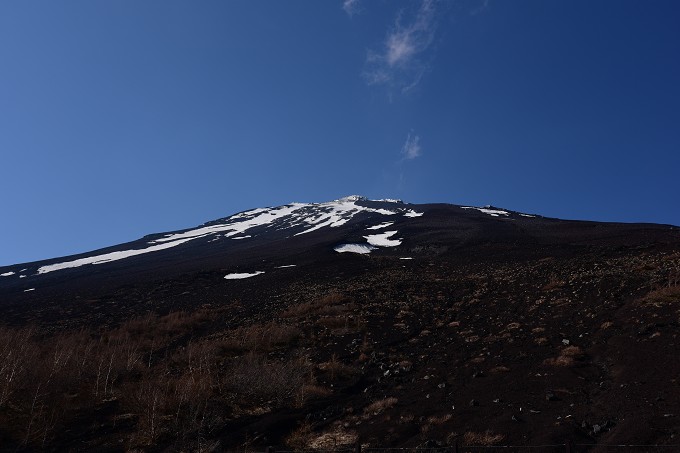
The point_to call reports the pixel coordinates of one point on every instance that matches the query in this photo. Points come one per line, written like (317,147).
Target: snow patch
(29,289)
(381,240)
(412,213)
(381,226)
(285,266)
(239,276)
(7,274)
(491,212)
(354,248)
(242,237)
(251,219)
(337,213)
(108,257)
(389,200)
(352,198)
(406,258)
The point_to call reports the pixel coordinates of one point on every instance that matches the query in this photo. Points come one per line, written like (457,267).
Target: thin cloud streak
(398,63)
(411,148)
(351,7)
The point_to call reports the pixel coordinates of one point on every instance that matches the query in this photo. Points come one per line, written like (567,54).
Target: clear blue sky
(122,118)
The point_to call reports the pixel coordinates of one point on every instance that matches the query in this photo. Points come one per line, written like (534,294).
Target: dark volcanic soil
(521,334)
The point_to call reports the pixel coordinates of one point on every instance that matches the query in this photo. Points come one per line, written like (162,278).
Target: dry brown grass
(330,305)
(334,439)
(167,381)
(484,439)
(568,357)
(553,285)
(300,437)
(379,406)
(663,296)
(254,379)
(541,341)
(438,419)
(259,337)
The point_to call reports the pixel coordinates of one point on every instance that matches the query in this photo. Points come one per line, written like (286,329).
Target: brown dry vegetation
(163,377)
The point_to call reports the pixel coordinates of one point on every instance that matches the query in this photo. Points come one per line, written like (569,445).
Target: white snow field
(239,276)
(381,226)
(382,240)
(486,210)
(354,248)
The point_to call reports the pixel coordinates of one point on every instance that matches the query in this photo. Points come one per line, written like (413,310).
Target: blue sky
(119,119)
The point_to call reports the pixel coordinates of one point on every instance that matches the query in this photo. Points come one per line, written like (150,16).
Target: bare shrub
(336,368)
(17,350)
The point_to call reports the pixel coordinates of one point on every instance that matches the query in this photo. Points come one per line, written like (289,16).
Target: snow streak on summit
(298,218)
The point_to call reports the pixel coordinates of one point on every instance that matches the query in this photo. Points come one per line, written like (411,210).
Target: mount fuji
(376,323)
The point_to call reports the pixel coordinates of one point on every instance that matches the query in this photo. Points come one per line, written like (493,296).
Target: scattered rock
(550,396)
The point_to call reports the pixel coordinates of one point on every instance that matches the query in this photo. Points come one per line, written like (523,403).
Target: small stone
(551,397)
(597,429)
(474,403)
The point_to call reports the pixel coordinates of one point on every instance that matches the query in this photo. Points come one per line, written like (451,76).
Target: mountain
(352,321)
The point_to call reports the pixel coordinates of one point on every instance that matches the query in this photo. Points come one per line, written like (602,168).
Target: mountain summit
(265,224)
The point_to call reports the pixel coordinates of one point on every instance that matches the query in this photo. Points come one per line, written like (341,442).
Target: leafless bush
(336,368)
(17,351)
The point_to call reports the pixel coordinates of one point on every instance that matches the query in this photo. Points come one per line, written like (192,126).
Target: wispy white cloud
(351,7)
(411,148)
(399,61)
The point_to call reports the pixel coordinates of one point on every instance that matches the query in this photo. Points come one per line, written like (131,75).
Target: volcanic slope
(318,325)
